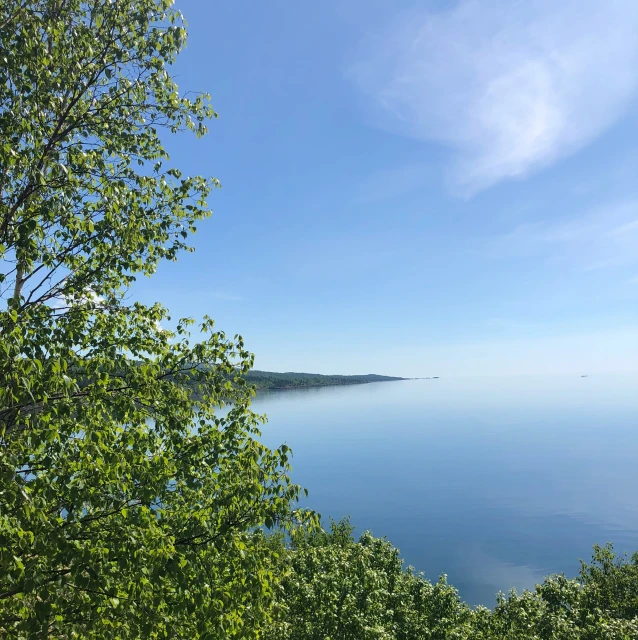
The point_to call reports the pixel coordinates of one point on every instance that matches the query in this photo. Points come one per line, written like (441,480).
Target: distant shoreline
(275,381)
(329,384)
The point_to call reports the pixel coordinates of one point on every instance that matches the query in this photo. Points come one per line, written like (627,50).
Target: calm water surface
(495,482)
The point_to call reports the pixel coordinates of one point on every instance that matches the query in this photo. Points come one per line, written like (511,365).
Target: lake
(495,482)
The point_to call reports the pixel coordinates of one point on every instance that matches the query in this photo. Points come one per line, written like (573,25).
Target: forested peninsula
(271,380)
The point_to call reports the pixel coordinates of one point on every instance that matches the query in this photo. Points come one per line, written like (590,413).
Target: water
(495,482)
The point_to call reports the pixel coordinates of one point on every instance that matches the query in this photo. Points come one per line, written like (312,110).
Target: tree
(129,505)
(601,605)
(335,588)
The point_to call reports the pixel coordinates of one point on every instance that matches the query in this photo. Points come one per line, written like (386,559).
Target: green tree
(600,605)
(336,588)
(127,509)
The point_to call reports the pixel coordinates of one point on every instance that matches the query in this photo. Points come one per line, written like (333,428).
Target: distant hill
(291,380)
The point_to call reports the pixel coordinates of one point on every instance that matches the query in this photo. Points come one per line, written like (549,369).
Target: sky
(415,188)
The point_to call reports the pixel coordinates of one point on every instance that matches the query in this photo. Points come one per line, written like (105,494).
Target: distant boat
(583,376)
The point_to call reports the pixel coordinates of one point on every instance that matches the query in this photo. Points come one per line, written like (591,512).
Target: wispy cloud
(514,86)
(606,237)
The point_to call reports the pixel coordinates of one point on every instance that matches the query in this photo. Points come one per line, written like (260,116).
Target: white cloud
(607,237)
(513,86)
(87,297)
(159,327)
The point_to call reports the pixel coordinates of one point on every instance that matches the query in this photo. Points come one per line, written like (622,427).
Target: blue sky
(416,188)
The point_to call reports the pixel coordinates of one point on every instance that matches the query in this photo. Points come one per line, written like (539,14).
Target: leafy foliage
(336,588)
(601,604)
(127,510)
(339,589)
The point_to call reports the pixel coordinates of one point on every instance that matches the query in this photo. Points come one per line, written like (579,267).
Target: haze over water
(496,482)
